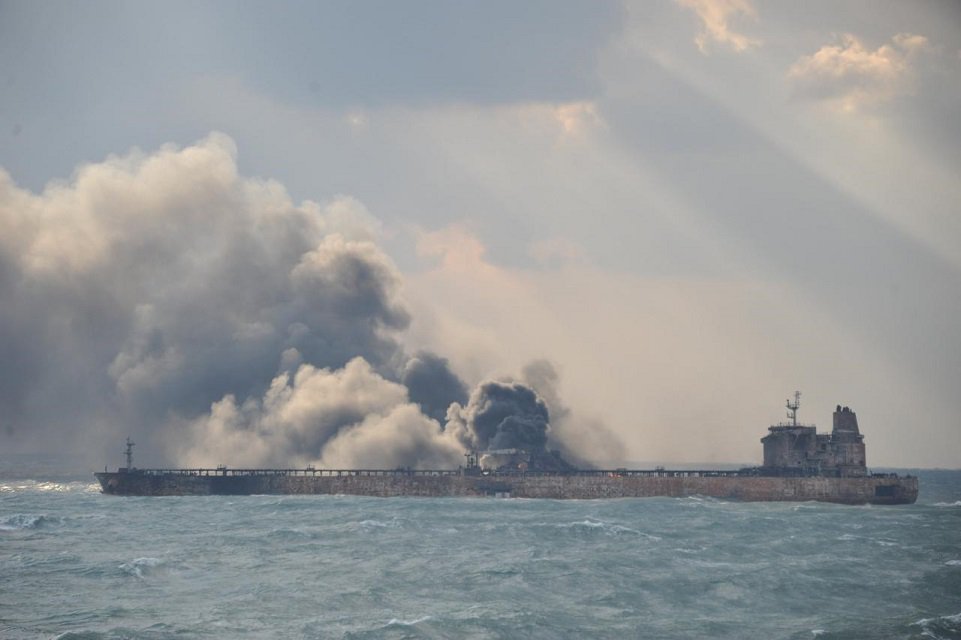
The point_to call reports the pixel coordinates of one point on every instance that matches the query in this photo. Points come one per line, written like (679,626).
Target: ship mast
(129,452)
(792,408)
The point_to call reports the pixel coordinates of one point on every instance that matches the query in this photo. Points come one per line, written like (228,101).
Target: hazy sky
(689,208)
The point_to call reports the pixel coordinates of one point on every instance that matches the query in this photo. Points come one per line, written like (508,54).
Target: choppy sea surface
(77,564)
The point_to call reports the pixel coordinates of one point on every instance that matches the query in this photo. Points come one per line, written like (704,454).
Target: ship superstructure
(797,449)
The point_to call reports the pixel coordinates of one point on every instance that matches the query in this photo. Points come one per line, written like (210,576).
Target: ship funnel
(845,420)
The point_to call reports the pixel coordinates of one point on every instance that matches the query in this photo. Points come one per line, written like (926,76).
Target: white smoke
(344,418)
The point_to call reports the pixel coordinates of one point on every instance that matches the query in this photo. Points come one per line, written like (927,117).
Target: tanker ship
(799,465)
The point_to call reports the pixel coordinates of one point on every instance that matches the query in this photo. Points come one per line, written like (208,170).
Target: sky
(355,233)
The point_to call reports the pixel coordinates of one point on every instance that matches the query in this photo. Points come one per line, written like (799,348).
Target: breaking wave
(396,622)
(28,521)
(941,628)
(592,526)
(45,486)
(143,567)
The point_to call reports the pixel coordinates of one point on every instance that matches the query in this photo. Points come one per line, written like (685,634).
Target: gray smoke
(432,385)
(501,415)
(351,417)
(581,440)
(152,286)
(165,297)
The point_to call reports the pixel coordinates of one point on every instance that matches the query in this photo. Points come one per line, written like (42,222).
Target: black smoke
(432,385)
(501,415)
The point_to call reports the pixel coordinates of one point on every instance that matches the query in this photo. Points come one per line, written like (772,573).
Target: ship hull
(875,489)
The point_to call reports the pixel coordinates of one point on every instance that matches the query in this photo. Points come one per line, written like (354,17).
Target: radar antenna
(129,452)
(792,408)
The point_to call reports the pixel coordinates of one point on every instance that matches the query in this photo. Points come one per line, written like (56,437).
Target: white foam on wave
(447,530)
(20,521)
(848,537)
(605,527)
(956,503)
(953,563)
(931,627)
(924,621)
(141,567)
(48,486)
(379,524)
(397,622)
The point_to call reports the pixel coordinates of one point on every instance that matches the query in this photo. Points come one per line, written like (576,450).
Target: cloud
(576,117)
(555,251)
(716,16)
(852,76)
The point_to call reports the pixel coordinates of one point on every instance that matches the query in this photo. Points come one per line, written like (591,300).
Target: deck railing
(326,473)
(339,473)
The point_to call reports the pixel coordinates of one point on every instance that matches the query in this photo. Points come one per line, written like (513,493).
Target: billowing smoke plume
(344,418)
(501,415)
(580,440)
(165,297)
(432,385)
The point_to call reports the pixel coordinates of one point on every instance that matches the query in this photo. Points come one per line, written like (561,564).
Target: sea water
(78,564)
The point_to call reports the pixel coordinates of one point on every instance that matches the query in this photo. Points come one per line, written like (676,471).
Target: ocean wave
(27,521)
(290,534)
(83,635)
(47,486)
(956,503)
(940,628)
(376,525)
(397,622)
(142,567)
(592,525)
(847,537)
(158,631)
(953,563)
